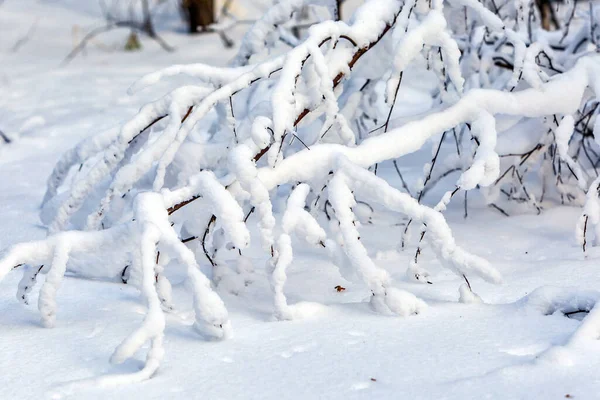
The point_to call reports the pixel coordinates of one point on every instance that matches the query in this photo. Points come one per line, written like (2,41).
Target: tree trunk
(200,14)
(547,14)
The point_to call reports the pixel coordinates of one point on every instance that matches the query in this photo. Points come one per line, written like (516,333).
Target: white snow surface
(508,341)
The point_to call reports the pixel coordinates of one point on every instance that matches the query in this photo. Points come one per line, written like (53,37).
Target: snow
(505,341)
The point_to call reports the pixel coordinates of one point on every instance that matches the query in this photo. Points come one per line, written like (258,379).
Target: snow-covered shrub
(201,165)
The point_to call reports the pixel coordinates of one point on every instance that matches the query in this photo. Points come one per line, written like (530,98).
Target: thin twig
(404,185)
(499,209)
(109,27)
(212,220)
(5,138)
(468,283)
(585,233)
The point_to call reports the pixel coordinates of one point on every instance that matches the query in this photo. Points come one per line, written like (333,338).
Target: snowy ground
(343,350)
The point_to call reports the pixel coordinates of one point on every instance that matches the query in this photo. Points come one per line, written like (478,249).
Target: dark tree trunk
(200,14)
(547,14)
(148,26)
(338,4)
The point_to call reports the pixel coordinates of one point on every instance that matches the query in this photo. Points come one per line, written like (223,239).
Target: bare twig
(4,138)
(142,28)
(499,209)
(211,222)
(585,233)
(404,185)
(468,283)
(27,37)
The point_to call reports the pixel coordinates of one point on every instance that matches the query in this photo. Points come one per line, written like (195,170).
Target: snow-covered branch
(201,161)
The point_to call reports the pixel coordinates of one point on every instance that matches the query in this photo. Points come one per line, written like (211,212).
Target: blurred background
(72,57)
